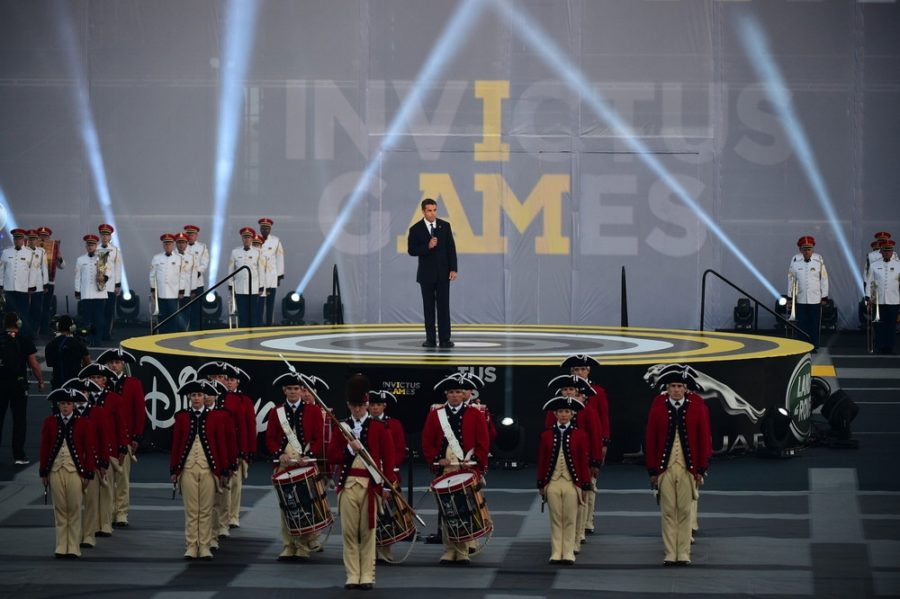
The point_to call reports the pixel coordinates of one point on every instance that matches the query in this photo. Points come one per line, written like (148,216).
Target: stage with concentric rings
(744,374)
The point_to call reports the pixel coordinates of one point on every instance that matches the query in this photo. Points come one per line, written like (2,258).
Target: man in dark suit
(431,240)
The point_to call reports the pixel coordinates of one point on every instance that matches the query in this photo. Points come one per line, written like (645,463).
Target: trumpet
(874,296)
(793,315)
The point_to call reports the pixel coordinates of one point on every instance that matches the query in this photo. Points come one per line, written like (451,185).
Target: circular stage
(740,376)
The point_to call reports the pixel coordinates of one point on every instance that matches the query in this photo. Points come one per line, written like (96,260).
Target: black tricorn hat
(564,403)
(211,368)
(95,370)
(572,380)
(579,360)
(382,397)
(457,380)
(116,354)
(194,386)
(70,395)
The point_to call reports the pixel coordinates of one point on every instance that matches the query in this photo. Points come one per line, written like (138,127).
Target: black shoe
(555,562)
(59,555)
(588,531)
(120,524)
(683,563)
(366,586)
(567,562)
(350,585)
(86,546)
(668,563)
(447,343)
(100,533)
(426,344)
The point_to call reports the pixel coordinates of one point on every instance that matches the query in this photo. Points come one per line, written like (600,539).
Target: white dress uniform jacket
(241,257)
(274,251)
(115,262)
(886,275)
(39,274)
(15,269)
(201,264)
(267,271)
(812,279)
(86,277)
(187,271)
(166,277)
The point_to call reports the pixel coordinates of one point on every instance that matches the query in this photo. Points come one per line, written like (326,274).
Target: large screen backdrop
(547,196)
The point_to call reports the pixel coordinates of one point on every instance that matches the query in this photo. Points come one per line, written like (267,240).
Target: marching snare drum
(301,496)
(395,522)
(462,506)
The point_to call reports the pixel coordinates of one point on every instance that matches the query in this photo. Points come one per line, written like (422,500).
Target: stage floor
(495,345)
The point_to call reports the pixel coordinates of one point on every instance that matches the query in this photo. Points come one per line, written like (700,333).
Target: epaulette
(437,406)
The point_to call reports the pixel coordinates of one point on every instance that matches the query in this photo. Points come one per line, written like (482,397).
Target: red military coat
(660,435)
(474,437)
(103,433)
(376,438)
(600,403)
(133,395)
(589,423)
(231,432)
(312,428)
(118,417)
(574,444)
(80,441)
(249,415)
(212,437)
(398,438)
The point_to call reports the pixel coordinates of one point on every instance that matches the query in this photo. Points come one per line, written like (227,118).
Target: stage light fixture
(509,445)
(240,27)
(840,410)
(775,427)
(527,29)
(781,309)
(743,315)
(293,308)
(128,309)
(211,310)
(757,51)
(450,40)
(829,316)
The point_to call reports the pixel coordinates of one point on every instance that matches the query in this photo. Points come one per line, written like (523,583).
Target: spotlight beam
(525,27)
(757,49)
(240,26)
(85,116)
(451,38)
(7,219)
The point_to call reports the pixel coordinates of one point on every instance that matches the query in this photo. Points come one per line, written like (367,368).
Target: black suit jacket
(437,263)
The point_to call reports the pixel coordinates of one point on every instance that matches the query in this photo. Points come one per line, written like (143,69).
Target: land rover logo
(797,399)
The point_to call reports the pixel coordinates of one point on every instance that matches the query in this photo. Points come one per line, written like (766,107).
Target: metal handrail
(757,304)
(156,327)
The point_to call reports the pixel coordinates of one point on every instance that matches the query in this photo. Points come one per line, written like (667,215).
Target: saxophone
(101,269)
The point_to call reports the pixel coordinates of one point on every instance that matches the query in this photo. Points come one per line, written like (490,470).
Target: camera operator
(66,354)
(17,354)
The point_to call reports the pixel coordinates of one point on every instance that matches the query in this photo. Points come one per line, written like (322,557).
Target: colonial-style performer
(91,277)
(102,435)
(580,365)
(198,459)
(213,401)
(103,396)
(167,282)
(67,464)
(135,414)
(237,381)
(475,398)
(570,385)
(110,254)
(294,437)
(273,253)
(363,455)
(454,438)
(200,254)
(677,446)
(247,298)
(378,401)
(563,477)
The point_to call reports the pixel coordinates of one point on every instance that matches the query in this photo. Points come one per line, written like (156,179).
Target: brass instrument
(794,289)
(53,256)
(102,262)
(232,309)
(870,321)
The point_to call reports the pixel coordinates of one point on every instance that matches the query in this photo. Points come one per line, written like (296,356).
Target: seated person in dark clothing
(66,354)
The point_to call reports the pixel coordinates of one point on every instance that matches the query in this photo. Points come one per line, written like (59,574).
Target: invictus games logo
(402,388)
(797,399)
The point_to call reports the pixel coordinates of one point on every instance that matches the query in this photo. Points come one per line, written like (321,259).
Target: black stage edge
(741,375)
